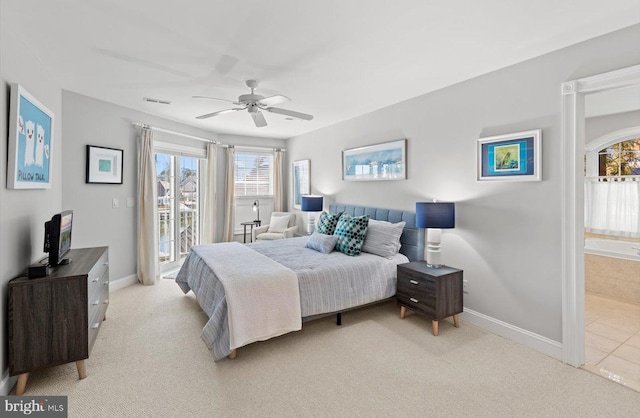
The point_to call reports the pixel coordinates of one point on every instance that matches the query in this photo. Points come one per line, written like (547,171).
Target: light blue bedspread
(328,283)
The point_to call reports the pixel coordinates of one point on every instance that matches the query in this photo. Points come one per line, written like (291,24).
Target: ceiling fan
(254,103)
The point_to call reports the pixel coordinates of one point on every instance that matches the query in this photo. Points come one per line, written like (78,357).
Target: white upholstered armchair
(282,225)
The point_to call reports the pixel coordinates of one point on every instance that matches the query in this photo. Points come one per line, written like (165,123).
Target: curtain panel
(147,211)
(229,195)
(612,207)
(210,213)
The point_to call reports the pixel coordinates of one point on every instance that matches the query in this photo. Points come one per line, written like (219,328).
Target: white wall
(601,125)
(23,212)
(507,235)
(88,121)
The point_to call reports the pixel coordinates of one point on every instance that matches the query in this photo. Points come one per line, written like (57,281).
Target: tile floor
(612,339)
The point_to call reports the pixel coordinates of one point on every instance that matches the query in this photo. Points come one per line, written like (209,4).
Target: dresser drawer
(98,273)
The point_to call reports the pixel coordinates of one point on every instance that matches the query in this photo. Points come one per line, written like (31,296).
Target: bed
(315,284)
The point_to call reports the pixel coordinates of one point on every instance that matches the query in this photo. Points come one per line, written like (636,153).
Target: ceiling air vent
(151,100)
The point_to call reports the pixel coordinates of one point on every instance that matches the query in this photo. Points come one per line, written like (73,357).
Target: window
(179,206)
(612,197)
(253,173)
(620,159)
(253,180)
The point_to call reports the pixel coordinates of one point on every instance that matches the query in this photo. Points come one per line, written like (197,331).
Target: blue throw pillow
(327,223)
(321,242)
(351,232)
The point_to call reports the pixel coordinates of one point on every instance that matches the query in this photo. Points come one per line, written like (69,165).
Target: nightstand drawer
(414,282)
(423,304)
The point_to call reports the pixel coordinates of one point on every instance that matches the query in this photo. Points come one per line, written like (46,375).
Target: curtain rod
(154,128)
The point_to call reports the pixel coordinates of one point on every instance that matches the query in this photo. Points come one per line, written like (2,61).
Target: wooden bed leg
(456,322)
(233,355)
(339,318)
(22,384)
(403,312)
(82,373)
(434,325)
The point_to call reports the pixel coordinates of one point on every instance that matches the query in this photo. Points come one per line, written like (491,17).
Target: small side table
(432,292)
(249,224)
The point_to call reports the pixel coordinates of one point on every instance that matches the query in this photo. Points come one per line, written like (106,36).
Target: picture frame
(104,165)
(301,181)
(510,157)
(386,161)
(31,133)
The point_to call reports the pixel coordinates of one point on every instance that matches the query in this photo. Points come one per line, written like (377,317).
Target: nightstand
(433,292)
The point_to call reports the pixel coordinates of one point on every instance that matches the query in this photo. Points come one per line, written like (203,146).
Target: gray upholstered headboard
(412,238)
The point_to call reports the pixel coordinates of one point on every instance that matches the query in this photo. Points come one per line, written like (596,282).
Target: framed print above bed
(30,142)
(301,181)
(511,157)
(386,161)
(104,165)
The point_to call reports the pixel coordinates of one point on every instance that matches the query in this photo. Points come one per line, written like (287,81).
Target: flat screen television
(57,237)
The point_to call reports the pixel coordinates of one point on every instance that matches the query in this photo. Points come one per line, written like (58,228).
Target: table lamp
(256,208)
(434,216)
(311,203)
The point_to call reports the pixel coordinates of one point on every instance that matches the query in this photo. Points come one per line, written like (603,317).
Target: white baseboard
(8,382)
(532,340)
(115,285)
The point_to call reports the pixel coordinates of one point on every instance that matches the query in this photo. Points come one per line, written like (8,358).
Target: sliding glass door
(179,206)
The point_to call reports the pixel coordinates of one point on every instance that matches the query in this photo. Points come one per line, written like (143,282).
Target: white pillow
(278,223)
(383,238)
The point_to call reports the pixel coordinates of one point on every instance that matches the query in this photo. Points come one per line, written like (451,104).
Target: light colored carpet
(149,360)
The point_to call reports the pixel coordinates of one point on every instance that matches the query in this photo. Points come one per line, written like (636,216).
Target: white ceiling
(336,59)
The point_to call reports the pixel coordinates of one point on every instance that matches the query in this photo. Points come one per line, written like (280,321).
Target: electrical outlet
(465,286)
(115,203)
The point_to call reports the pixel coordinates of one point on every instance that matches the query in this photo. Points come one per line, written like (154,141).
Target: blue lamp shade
(435,215)
(311,203)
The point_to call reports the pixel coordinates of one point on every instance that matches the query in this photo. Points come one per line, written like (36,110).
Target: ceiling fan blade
(219,112)
(258,119)
(215,98)
(291,113)
(273,100)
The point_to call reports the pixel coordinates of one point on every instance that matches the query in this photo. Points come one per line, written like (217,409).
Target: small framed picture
(104,165)
(511,157)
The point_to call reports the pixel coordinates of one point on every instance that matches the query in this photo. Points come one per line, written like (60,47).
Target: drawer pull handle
(95,280)
(106,263)
(414,300)
(106,302)
(96,325)
(95,303)
(106,283)
(413,282)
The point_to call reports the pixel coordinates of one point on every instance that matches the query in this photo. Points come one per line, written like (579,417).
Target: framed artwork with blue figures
(30,142)
(511,157)
(386,161)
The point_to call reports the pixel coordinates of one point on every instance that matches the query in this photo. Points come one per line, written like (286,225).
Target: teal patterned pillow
(351,232)
(327,223)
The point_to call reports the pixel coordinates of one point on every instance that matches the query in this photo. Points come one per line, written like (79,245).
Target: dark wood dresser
(433,292)
(55,319)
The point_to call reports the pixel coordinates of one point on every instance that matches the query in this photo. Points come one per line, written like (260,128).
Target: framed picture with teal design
(104,165)
(511,157)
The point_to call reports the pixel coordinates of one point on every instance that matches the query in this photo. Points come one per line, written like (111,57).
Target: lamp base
(432,251)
